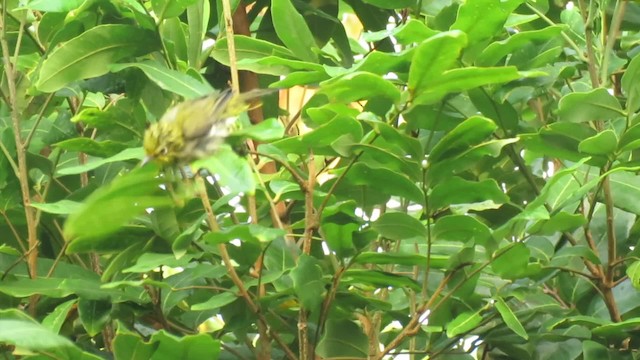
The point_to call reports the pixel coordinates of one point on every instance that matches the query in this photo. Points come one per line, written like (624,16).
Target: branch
(226,259)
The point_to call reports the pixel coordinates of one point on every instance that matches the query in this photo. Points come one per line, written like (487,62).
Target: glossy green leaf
(596,105)
(171,80)
(470,132)
(162,345)
(128,154)
(462,228)
(633,272)
(511,261)
(53,5)
(460,191)
(343,339)
(510,318)
(379,279)
(558,223)
(91,147)
(462,323)
(630,139)
(399,226)
(482,19)
(250,48)
(94,314)
(267,130)
(234,171)
(399,4)
(399,184)
(92,54)
(110,207)
(499,49)
(293,31)
(307,282)
(391,258)
(62,207)
(54,320)
(458,80)
(630,86)
(604,143)
(31,335)
(360,86)
(432,57)
(170,8)
(215,302)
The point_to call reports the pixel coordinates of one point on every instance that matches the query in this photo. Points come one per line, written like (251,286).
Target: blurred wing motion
(196,128)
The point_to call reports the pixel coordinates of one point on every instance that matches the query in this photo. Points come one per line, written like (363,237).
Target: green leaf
(162,345)
(92,53)
(31,335)
(630,80)
(618,330)
(565,255)
(482,19)
(432,57)
(399,226)
(604,143)
(274,65)
(171,80)
(511,261)
(62,207)
(55,319)
(359,86)
(343,339)
(94,314)
(249,48)
(595,105)
(390,258)
(379,279)
(397,184)
(500,49)
(458,80)
(462,228)
(53,5)
(396,4)
(91,147)
(460,191)
(170,8)
(510,318)
(112,206)
(215,302)
(633,272)
(127,154)
(307,282)
(151,261)
(268,130)
(470,132)
(234,171)
(293,30)
(630,140)
(462,323)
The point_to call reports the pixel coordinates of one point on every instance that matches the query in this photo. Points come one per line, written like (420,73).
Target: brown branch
(231,271)
(21,150)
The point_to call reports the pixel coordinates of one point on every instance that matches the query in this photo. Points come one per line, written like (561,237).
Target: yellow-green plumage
(195,128)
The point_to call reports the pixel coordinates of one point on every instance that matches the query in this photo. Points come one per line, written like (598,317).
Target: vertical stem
(231,45)
(21,150)
(310,226)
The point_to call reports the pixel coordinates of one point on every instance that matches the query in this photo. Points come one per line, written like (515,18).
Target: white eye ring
(164,150)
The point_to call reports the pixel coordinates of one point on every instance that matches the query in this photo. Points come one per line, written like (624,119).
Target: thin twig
(231,271)
(23,176)
(231,45)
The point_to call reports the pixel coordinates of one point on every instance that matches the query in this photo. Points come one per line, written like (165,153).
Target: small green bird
(196,128)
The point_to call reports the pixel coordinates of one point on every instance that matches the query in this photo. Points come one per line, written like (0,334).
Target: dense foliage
(455,181)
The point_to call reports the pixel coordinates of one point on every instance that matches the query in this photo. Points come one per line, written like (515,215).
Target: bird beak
(146,160)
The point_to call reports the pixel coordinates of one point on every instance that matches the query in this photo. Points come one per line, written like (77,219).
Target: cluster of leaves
(462,180)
